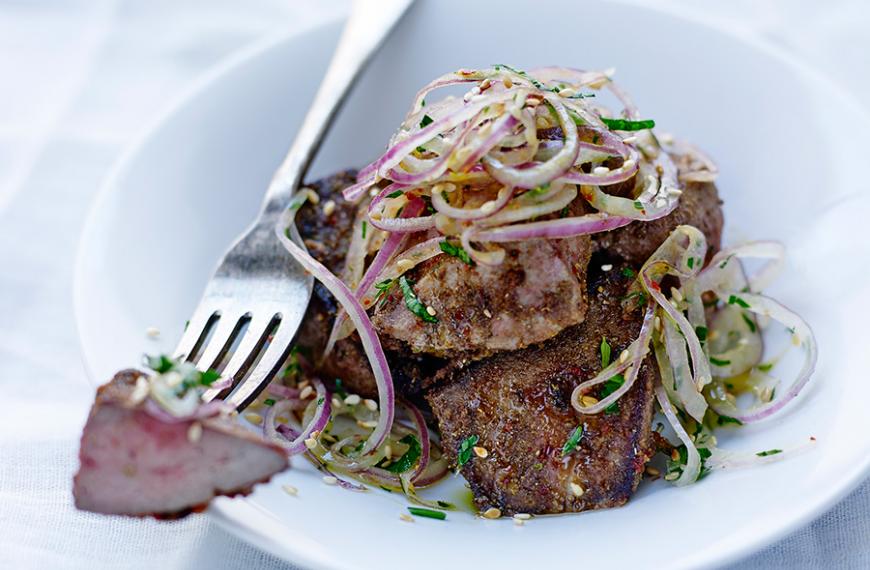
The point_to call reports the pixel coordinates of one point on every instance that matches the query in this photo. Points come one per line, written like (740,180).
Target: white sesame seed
(488,207)
(330,480)
(540,122)
(367,424)
(290,490)
(519,522)
(373,192)
(675,191)
(313,196)
(328,207)
(404,264)
(152,332)
(588,401)
(507,82)
(352,400)
(481,452)
(522,516)
(194,432)
(306,393)
(795,340)
(577,490)
(629,140)
(767,394)
(310,443)
(676,294)
(623,356)
(388,451)
(628,164)
(492,513)
(568,92)
(254,418)
(430,310)
(657,324)
(606,267)
(406,517)
(336,402)
(487,313)
(652,471)
(370,404)
(140,391)
(666,138)
(600,170)
(672,476)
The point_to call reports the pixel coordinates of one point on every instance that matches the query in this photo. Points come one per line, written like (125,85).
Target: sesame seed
(336,402)
(666,138)
(657,323)
(674,191)
(388,451)
(676,294)
(606,267)
(487,313)
(629,140)
(254,418)
(652,471)
(522,516)
(541,122)
(152,332)
(492,513)
(507,82)
(588,401)
(767,394)
(328,207)
(430,310)
(290,490)
(480,451)
(568,92)
(623,356)
(628,164)
(600,170)
(373,192)
(330,480)
(675,455)
(795,340)
(306,393)
(303,384)
(367,424)
(404,264)
(313,196)
(406,517)
(370,404)
(672,476)
(140,391)
(577,490)
(352,400)
(310,443)
(488,207)
(194,432)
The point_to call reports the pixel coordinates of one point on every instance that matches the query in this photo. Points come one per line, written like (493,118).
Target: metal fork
(252,307)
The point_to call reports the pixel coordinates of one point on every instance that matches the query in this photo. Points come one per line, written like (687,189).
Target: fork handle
(367,27)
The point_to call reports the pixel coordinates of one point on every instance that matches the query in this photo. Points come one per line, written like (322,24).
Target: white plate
(791,170)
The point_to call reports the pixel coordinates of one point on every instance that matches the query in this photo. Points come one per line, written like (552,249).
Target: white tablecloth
(79,78)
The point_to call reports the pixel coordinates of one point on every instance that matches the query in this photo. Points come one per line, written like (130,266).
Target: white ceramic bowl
(782,135)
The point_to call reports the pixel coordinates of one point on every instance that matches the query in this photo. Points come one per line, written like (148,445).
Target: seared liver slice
(134,464)
(518,404)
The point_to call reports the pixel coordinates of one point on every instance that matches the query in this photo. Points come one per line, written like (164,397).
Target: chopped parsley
(766,367)
(456,251)
(628,272)
(428,513)
(611,386)
(397,193)
(718,362)
(626,125)
(605,352)
(725,261)
(768,452)
(701,332)
(269,402)
(425,121)
(190,376)
(724,420)
(383,288)
(466,448)
(639,295)
(638,205)
(419,149)
(749,322)
(413,303)
(735,300)
(160,364)
(365,226)
(563,213)
(409,458)
(573,440)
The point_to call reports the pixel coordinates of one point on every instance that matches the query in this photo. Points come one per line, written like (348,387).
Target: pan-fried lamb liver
(518,404)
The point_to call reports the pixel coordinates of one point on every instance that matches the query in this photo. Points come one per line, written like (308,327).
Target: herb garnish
(269,402)
(397,193)
(573,440)
(413,303)
(638,205)
(768,452)
(605,352)
(628,272)
(191,377)
(626,125)
(339,389)
(724,420)
(383,288)
(718,362)
(410,457)
(611,386)
(425,121)
(735,300)
(749,322)
(766,367)
(466,448)
(456,251)
(701,332)
(428,513)
(365,225)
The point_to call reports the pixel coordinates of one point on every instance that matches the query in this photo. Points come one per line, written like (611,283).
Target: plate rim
(246,520)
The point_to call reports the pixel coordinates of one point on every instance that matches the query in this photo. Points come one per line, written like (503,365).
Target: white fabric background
(78,79)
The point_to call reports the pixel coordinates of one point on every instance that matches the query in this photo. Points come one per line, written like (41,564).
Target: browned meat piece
(518,404)
(134,464)
(327,239)
(699,206)
(534,294)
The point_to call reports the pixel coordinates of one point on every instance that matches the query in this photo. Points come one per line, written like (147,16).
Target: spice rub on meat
(518,405)
(135,464)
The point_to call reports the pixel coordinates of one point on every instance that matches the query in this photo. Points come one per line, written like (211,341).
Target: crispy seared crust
(518,403)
